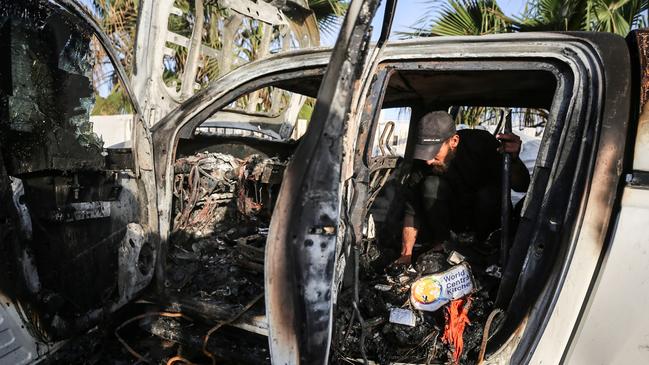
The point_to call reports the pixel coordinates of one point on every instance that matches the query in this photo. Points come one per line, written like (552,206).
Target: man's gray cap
(434,128)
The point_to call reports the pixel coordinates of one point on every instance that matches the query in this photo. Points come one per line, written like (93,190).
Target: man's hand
(520,177)
(403,260)
(510,143)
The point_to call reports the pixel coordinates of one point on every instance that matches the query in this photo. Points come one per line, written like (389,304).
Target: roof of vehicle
(461,48)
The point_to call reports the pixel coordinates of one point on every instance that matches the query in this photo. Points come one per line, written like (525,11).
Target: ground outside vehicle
(86,229)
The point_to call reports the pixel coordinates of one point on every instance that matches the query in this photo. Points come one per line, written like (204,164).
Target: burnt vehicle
(271,235)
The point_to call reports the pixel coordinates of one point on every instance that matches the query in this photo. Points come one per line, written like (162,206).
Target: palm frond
(553,15)
(329,13)
(460,17)
(617,16)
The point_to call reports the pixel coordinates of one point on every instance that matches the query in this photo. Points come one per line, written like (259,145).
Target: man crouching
(455,182)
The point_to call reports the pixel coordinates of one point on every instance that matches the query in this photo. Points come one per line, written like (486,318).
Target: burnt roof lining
(307,86)
(498,88)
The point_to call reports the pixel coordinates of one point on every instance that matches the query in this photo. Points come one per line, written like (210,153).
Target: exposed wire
(432,352)
(355,304)
(138,317)
(434,334)
(227,322)
(357,313)
(485,334)
(179,359)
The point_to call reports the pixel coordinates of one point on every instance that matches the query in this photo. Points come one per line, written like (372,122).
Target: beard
(440,167)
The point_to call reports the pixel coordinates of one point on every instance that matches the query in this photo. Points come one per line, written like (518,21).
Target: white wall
(115,130)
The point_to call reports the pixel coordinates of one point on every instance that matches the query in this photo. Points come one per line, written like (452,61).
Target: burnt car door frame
(132,279)
(135,275)
(308,229)
(323,141)
(577,171)
(182,122)
(564,297)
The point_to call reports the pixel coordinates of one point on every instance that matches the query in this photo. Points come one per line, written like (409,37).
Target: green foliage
(115,103)
(234,39)
(328,13)
(473,116)
(307,109)
(118,19)
(617,16)
(477,17)
(553,15)
(460,17)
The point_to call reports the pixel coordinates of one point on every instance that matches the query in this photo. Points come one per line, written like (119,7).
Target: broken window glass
(59,75)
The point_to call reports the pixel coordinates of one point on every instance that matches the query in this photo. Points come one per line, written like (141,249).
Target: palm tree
(617,16)
(477,17)
(118,18)
(328,14)
(552,15)
(461,17)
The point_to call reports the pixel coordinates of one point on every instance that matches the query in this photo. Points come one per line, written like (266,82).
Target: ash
(382,287)
(222,211)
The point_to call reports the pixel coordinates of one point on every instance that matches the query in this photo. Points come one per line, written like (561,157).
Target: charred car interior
(225,187)
(258,221)
(227,176)
(420,87)
(381,289)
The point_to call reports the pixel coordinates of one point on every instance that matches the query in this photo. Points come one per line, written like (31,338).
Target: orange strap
(456,319)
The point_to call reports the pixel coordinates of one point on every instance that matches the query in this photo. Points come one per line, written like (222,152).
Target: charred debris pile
(214,270)
(432,312)
(222,208)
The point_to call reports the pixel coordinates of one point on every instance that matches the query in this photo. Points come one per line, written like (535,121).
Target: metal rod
(382,140)
(390,126)
(356,302)
(501,120)
(388,16)
(506,197)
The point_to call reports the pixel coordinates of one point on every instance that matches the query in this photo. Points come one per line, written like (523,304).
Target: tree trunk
(230,28)
(262,51)
(193,54)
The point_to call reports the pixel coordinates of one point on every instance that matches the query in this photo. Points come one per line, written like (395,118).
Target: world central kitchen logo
(431,292)
(427,290)
(457,282)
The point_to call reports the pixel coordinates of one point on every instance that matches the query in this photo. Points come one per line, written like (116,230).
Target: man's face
(445,155)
